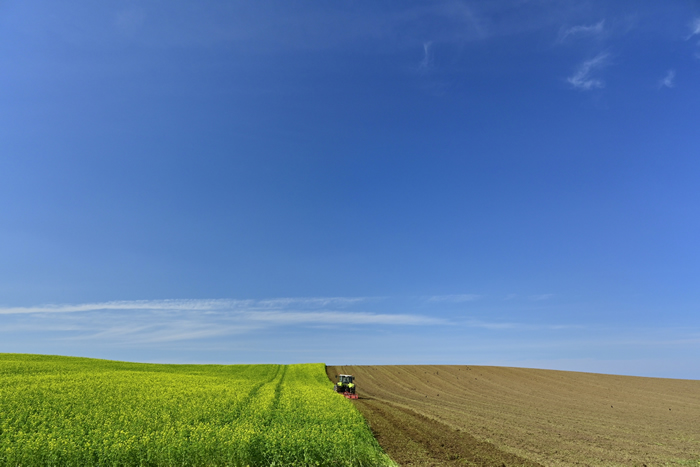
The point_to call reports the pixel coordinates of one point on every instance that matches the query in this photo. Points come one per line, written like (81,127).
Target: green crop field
(76,411)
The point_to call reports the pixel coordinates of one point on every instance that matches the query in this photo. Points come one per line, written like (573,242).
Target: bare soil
(492,416)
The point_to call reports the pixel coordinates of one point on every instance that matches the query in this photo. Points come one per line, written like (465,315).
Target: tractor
(345,386)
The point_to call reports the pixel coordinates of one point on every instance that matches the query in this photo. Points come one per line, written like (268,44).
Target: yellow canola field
(85,412)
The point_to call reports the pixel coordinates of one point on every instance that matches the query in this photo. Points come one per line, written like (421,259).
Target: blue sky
(508,182)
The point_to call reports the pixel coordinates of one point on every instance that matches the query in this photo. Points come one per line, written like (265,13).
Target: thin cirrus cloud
(504,326)
(281,25)
(694,28)
(668,81)
(205,323)
(152,321)
(540,297)
(283,311)
(594,30)
(584,79)
(336,317)
(188,305)
(182,330)
(458,298)
(427,56)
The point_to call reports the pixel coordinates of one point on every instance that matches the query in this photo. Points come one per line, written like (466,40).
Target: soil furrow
(416,440)
(471,415)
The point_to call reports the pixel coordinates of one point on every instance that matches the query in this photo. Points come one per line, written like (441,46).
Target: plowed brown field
(472,415)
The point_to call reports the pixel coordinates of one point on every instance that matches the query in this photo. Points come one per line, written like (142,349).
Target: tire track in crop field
(556,418)
(278,391)
(255,389)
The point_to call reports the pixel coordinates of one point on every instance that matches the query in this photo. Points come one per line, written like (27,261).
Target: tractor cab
(345,379)
(346,386)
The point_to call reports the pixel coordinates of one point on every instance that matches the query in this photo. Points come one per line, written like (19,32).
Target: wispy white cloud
(336,317)
(583,76)
(694,28)
(162,305)
(518,326)
(306,302)
(188,305)
(582,30)
(427,56)
(668,81)
(151,321)
(454,298)
(181,330)
(491,325)
(540,297)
